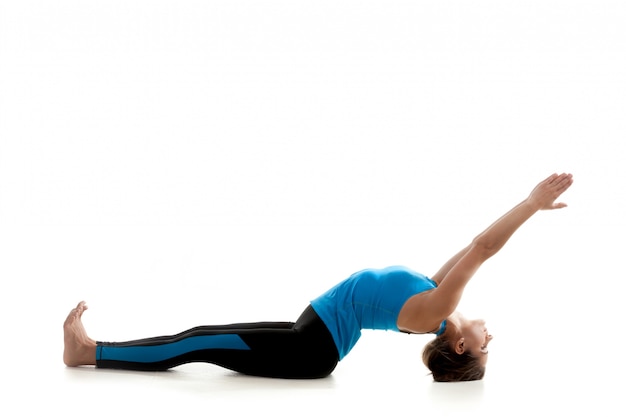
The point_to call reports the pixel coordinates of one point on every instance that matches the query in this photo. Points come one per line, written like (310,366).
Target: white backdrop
(201,162)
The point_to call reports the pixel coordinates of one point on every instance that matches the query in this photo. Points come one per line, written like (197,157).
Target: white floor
(381,377)
(185,163)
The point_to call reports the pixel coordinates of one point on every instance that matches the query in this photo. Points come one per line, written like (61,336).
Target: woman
(393,298)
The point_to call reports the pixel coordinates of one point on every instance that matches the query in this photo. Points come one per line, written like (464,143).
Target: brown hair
(448,366)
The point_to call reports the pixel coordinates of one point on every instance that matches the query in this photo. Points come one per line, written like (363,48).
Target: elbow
(483,247)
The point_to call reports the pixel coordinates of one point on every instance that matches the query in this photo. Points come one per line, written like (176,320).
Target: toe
(80,308)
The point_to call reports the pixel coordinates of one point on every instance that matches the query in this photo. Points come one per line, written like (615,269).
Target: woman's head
(460,353)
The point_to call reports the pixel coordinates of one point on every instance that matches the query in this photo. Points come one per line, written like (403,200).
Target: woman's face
(474,336)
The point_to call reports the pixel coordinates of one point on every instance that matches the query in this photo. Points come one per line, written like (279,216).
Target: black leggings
(304,349)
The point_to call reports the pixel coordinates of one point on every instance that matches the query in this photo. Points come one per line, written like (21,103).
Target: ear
(459,346)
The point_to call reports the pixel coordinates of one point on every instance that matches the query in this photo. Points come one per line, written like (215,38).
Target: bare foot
(79,348)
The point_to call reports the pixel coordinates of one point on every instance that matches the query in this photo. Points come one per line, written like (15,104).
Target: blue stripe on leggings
(147,354)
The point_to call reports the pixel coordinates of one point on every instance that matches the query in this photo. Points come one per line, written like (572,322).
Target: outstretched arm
(542,197)
(443,271)
(457,272)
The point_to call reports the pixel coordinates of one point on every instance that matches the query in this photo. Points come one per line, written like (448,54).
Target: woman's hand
(544,195)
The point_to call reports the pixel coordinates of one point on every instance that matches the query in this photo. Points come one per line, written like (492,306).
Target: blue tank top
(369,299)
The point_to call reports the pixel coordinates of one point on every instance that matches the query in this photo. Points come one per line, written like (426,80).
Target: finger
(551,178)
(564,183)
(559,186)
(560,179)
